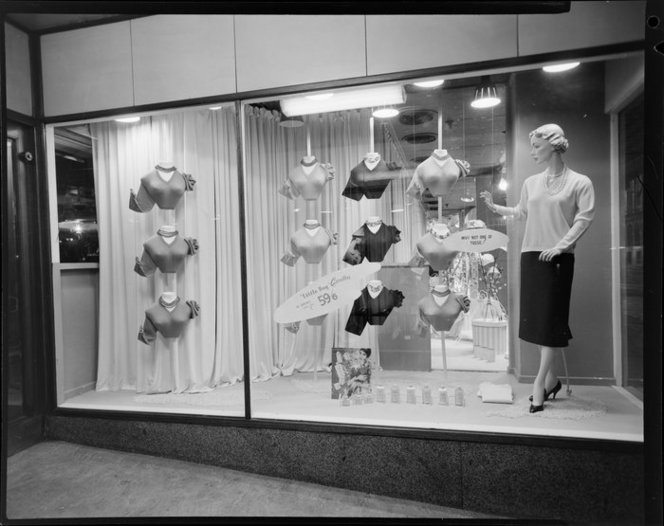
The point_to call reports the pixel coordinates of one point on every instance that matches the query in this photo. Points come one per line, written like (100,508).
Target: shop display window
(166,290)
(382,243)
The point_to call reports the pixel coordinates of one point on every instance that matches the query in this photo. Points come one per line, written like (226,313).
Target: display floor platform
(597,412)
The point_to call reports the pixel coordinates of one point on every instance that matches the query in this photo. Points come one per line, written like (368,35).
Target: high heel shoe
(536,408)
(554,392)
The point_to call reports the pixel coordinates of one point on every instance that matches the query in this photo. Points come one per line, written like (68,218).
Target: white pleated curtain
(203,143)
(209,353)
(271,153)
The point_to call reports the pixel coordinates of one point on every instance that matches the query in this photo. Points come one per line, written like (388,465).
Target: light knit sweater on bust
(553,221)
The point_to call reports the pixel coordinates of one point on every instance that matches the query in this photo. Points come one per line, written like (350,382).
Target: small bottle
(357,398)
(442,396)
(394,395)
(380,394)
(369,398)
(410,395)
(344,400)
(458,397)
(426,395)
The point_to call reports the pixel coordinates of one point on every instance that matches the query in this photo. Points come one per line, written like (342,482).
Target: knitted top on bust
(306,180)
(167,257)
(440,317)
(438,173)
(369,182)
(170,324)
(553,221)
(373,311)
(312,247)
(370,245)
(155,190)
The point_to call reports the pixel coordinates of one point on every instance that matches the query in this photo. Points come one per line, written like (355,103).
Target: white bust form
(169,297)
(312,226)
(375,287)
(442,291)
(373,223)
(167,229)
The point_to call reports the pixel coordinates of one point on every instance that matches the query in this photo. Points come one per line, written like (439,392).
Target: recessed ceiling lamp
(486,95)
(467,199)
(214,108)
(375,96)
(502,185)
(429,83)
(385,113)
(128,119)
(290,122)
(557,68)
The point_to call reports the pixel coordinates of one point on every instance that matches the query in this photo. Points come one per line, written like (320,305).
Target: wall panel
(178,57)
(87,69)
(19,83)
(588,24)
(408,42)
(285,50)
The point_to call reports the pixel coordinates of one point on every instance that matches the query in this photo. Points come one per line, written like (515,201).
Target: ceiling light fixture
(502,184)
(129,119)
(290,122)
(320,96)
(385,113)
(429,83)
(486,95)
(214,108)
(374,96)
(557,68)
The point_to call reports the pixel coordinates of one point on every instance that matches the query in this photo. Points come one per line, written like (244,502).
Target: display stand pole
(440,219)
(310,207)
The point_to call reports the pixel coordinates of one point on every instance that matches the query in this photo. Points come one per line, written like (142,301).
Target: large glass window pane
(155,325)
(631,242)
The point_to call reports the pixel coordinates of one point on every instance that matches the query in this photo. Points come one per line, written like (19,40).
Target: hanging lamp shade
(486,94)
(290,122)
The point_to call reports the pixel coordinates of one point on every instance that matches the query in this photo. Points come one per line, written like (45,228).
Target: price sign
(476,240)
(326,294)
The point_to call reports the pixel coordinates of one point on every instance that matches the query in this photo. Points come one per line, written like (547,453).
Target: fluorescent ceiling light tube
(557,68)
(345,100)
(320,96)
(128,119)
(429,83)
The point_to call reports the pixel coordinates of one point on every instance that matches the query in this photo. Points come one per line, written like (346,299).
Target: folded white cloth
(495,393)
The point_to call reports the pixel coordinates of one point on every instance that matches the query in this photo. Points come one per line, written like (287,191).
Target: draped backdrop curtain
(209,352)
(341,139)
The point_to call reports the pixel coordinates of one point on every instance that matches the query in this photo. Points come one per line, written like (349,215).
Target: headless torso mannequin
(373,223)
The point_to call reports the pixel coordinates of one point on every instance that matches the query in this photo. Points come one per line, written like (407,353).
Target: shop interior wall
(17,70)
(579,110)
(79,308)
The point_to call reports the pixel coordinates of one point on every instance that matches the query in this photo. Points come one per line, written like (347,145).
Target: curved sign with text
(476,240)
(326,294)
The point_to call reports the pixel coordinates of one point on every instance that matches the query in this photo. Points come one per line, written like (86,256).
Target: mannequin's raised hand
(488,199)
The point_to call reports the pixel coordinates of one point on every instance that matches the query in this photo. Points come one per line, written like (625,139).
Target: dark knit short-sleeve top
(373,311)
(364,181)
(371,245)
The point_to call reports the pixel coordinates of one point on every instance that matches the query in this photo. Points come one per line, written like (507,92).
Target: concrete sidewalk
(60,479)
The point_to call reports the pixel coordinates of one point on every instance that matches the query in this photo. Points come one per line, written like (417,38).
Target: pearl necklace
(555,183)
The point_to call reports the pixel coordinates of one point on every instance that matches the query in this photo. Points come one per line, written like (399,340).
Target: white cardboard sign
(326,294)
(476,240)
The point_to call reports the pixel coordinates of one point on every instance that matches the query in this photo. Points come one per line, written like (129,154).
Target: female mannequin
(558,206)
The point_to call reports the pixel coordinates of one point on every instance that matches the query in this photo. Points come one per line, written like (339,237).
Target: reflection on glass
(77,212)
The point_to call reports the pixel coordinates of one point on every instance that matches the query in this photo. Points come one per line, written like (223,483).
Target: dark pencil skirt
(545,295)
